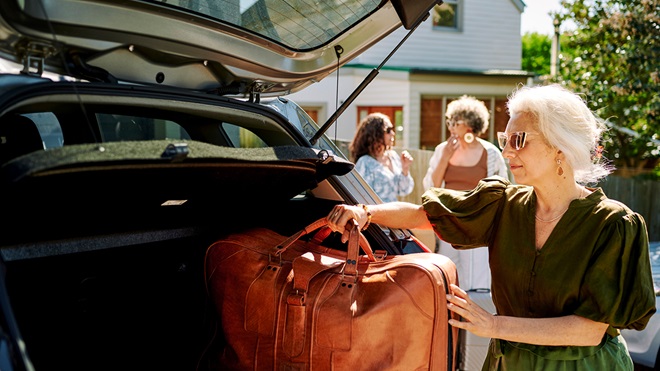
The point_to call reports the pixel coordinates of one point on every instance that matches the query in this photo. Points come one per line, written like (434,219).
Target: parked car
(163,128)
(644,346)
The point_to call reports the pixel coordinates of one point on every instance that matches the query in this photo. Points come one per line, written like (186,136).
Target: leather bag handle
(363,243)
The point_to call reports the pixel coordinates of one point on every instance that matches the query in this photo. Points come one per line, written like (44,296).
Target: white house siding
(489,39)
(482,59)
(399,88)
(390,88)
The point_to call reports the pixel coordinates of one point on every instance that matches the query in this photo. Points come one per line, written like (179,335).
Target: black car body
(162,131)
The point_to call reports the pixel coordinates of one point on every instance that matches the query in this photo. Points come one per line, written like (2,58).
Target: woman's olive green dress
(595,264)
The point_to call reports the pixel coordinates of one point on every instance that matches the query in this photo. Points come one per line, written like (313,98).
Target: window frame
(458,16)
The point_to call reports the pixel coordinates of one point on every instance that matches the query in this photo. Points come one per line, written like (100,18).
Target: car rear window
(49,128)
(242,137)
(300,24)
(113,128)
(116,128)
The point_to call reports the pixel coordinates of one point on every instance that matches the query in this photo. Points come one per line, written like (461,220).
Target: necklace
(560,215)
(553,219)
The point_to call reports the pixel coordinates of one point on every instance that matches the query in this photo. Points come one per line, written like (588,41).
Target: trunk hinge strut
(367,80)
(34,55)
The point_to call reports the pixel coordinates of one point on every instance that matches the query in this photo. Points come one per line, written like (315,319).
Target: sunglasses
(452,123)
(389,130)
(516,140)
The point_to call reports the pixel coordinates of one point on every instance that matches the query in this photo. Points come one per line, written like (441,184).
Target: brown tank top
(466,177)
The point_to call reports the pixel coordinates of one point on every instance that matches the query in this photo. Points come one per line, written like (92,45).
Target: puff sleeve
(618,286)
(459,217)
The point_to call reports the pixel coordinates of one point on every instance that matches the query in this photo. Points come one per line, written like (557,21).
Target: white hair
(566,123)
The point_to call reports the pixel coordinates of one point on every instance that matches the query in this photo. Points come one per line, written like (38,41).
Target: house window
(446,15)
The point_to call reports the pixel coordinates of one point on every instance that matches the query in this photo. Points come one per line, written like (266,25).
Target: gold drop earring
(560,170)
(468,137)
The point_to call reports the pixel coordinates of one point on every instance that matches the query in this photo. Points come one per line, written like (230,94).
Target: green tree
(536,53)
(613,57)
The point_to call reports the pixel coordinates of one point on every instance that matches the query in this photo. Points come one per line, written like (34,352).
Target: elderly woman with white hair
(570,267)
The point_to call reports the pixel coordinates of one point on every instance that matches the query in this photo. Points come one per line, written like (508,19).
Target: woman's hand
(340,215)
(406,161)
(397,214)
(552,331)
(475,319)
(452,145)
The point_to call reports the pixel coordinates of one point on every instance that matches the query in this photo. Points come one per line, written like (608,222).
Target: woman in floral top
(382,168)
(570,267)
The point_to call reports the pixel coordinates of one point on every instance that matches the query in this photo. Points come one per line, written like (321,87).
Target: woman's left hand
(406,161)
(406,158)
(475,319)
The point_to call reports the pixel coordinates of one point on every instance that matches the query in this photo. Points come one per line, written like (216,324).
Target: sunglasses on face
(389,130)
(516,140)
(452,123)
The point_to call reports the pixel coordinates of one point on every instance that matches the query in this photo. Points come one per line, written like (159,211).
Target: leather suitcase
(288,304)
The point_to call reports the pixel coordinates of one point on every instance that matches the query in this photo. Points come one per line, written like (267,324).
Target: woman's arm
(403,181)
(448,150)
(405,159)
(556,331)
(435,174)
(403,215)
(438,174)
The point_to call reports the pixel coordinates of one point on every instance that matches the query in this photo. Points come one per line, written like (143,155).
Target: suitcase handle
(323,222)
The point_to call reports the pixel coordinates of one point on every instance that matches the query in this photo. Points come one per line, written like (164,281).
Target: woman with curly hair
(464,159)
(460,163)
(387,172)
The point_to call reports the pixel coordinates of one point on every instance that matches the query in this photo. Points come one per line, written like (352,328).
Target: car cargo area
(103,255)
(128,145)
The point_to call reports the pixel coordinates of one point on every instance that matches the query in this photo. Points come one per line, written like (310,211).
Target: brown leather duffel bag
(288,304)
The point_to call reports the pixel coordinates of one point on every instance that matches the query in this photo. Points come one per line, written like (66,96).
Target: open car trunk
(113,278)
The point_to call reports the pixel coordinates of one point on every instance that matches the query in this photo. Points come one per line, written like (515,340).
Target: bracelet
(366,225)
